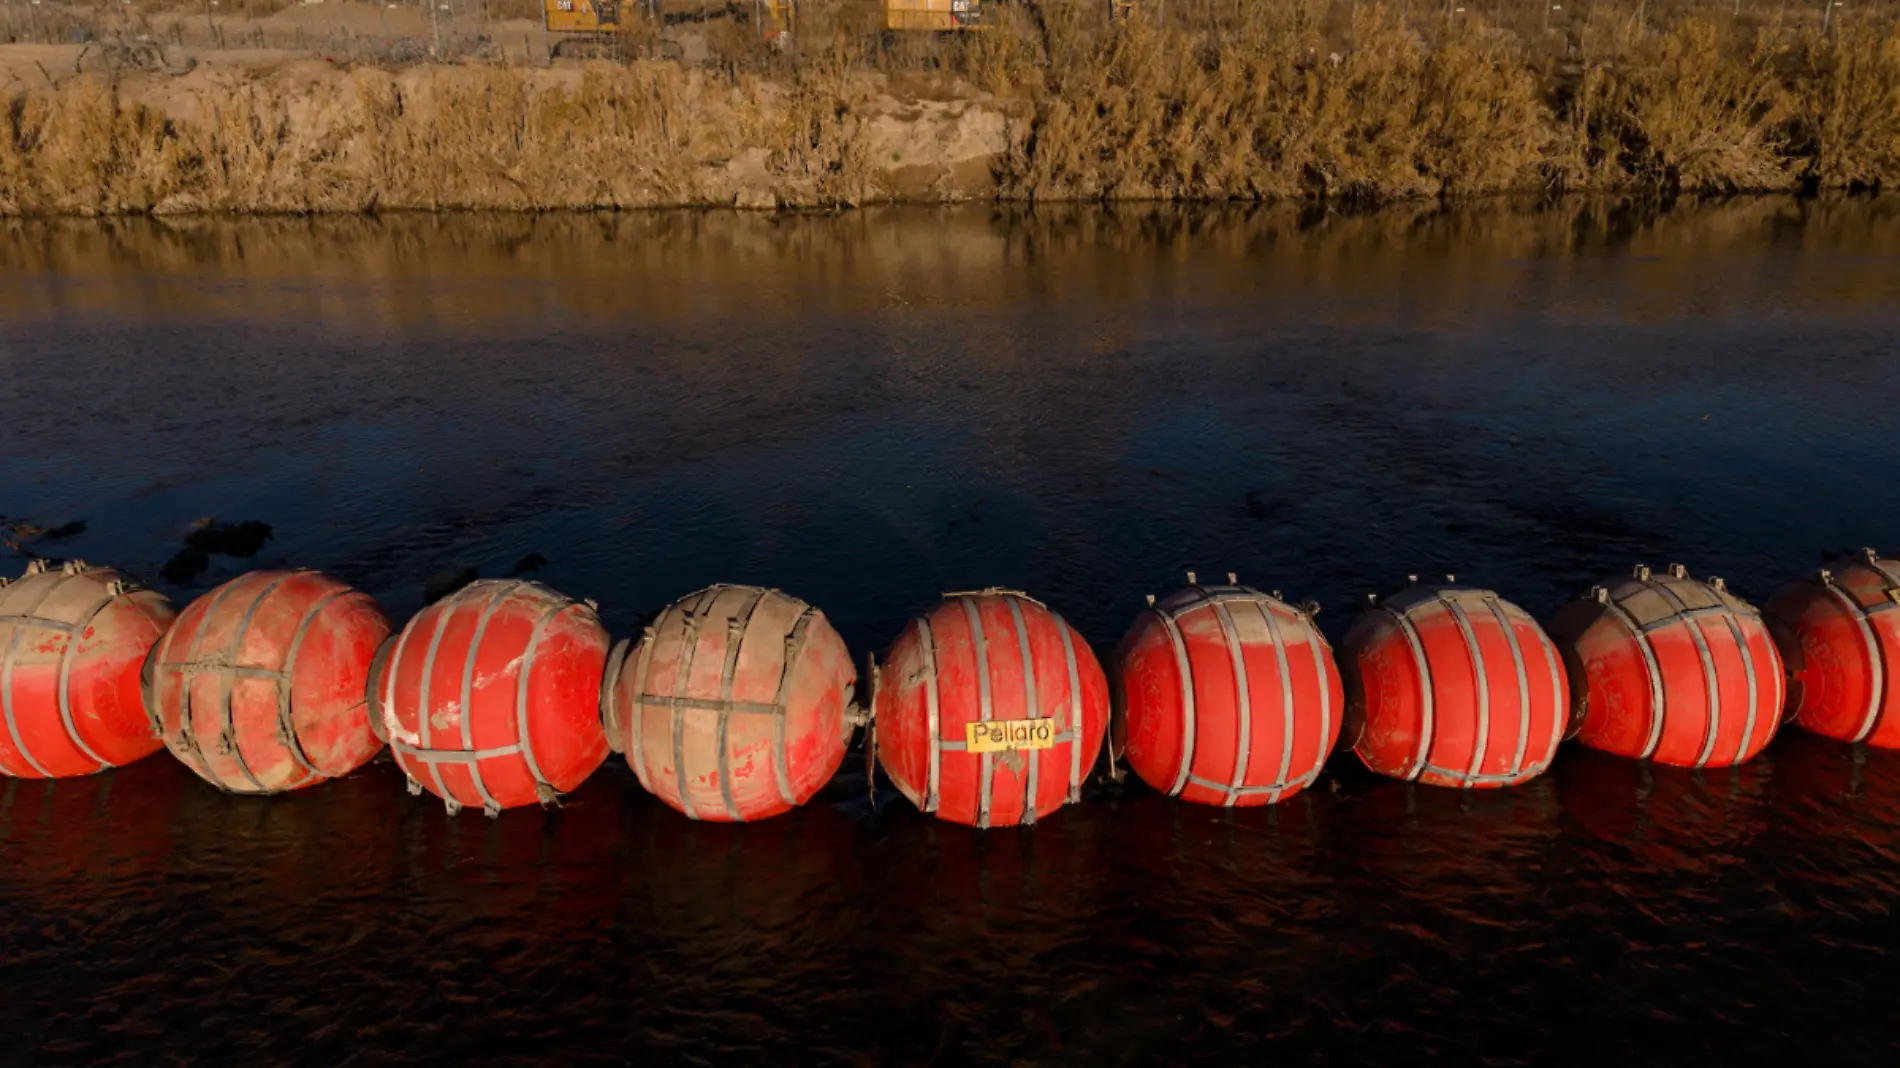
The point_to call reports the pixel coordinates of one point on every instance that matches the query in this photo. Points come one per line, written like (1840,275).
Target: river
(872,408)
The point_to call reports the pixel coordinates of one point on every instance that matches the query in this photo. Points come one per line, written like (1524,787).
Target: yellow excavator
(583,26)
(939,16)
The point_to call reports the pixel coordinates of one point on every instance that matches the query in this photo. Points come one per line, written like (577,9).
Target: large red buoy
(1668,669)
(732,707)
(72,640)
(990,710)
(1453,686)
(490,698)
(259,687)
(1228,696)
(1838,632)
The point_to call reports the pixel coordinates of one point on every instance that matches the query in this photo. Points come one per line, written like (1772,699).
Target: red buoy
(259,687)
(1838,632)
(1228,696)
(72,641)
(732,707)
(990,710)
(1668,669)
(1453,686)
(490,698)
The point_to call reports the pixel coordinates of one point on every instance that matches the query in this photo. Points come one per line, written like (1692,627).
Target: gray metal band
(1032,701)
(1272,789)
(1265,608)
(467,717)
(1871,641)
(985,763)
(188,713)
(690,628)
(1714,726)
(1244,697)
(1481,745)
(1188,726)
(1748,667)
(6,680)
(1657,711)
(378,665)
(1428,729)
(469,757)
(45,624)
(1315,641)
(524,740)
(636,730)
(1686,613)
(446,610)
(65,676)
(286,721)
(392,720)
(227,718)
(1465,779)
(794,647)
(1075,711)
(1523,685)
(736,629)
(609,682)
(1558,706)
(928,643)
(709,704)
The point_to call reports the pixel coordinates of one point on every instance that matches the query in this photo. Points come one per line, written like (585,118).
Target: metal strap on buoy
(794,646)
(377,664)
(1032,705)
(469,656)
(1651,670)
(928,646)
(1481,742)
(1870,637)
(609,681)
(1186,670)
(682,677)
(1687,616)
(544,791)
(286,721)
(1075,731)
(985,761)
(20,623)
(444,610)
(638,727)
(735,637)
(1428,726)
(187,669)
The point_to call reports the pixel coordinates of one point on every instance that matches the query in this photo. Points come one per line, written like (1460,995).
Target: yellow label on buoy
(1002,735)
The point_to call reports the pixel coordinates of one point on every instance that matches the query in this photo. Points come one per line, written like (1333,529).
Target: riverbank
(1270,106)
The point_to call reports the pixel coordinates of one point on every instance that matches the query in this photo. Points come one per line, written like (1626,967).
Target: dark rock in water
(229,539)
(186,565)
(528,563)
(24,530)
(66,530)
(445,582)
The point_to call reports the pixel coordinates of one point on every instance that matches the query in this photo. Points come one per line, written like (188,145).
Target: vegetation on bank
(1260,100)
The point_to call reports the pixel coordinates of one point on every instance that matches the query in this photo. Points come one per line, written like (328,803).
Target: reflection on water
(872,408)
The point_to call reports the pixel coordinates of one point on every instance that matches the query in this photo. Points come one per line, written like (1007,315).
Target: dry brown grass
(1275,100)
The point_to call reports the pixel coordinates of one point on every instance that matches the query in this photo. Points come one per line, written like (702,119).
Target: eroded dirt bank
(1061,111)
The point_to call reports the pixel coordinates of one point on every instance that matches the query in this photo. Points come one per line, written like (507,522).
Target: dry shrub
(1846,101)
(85,151)
(1148,113)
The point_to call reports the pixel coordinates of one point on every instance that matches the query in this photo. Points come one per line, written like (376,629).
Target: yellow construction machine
(591,26)
(942,16)
(580,25)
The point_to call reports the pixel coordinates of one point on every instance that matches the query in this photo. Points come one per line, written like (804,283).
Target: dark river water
(870,409)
